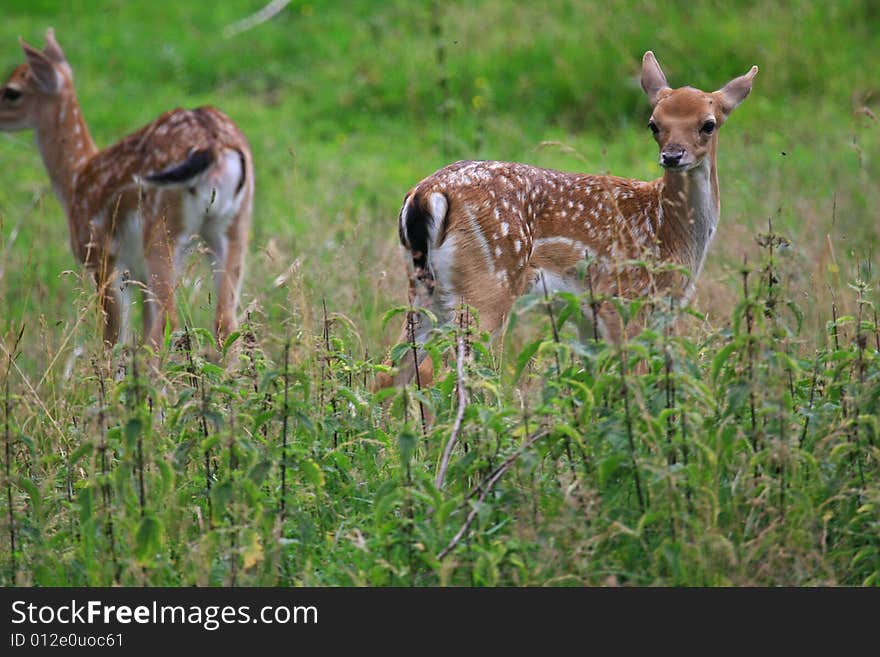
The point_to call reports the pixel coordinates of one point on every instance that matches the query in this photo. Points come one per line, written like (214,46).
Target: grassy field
(748,454)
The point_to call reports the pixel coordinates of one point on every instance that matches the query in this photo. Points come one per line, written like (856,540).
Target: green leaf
(33,492)
(524,356)
(380,396)
(209,442)
(29,443)
(148,541)
(211,370)
(407,442)
(312,472)
(258,473)
(400,350)
(79,452)
(85,499)
(221,495)
(391,314)
(348,394)
(235,335)
(133,429)
(203,336)
(721,358)
(607,468)
(261,418)
(405,309)
(166,476)
(526,302)
(511,323)
(341,460)
(623,309)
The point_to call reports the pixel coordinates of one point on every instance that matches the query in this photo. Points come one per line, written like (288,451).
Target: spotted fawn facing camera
(484,233)
(135,209)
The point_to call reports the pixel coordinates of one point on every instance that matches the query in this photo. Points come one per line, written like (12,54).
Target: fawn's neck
(690,207)
(65,144)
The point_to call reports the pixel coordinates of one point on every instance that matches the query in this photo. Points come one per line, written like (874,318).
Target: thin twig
(198,384)
(750,353)
(594,305)
(549,308)
(13,234)
(265,14)
(284,427)
(812,397)
(490,482)
(876,331)
(411,328)
(140,438)
(329,362)
(629,432)
(106,492)
(459,417)
(7,406)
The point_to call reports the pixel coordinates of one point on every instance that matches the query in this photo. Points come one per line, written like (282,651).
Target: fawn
(134,208)
(484,233)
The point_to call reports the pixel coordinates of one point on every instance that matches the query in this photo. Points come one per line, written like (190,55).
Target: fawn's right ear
(653,80)
(735,91)
(42,69)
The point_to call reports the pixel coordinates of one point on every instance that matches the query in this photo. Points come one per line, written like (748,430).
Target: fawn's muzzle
(671,156)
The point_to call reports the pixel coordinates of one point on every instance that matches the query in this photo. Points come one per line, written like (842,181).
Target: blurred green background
(348,104)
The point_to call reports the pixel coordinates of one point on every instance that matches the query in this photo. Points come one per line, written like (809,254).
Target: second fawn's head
(685,121)
(35,86)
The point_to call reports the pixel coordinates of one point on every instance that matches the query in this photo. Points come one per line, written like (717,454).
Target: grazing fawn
(484,233)
(134,209)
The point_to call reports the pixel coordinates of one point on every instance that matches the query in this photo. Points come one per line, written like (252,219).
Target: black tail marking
(243,178)
(192,166)
(414,229)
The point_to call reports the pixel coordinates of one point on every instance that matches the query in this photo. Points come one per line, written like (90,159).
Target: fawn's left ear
(42,68)
(735,91)
(52,49)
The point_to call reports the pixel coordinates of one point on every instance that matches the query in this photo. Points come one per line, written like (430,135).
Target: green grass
(756,455)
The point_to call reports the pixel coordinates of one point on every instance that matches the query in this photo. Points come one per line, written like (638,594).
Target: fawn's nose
(671,155)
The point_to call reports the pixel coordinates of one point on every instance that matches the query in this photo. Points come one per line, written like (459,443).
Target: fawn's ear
(43,70)
(653,80)
(52,49)
(735,91)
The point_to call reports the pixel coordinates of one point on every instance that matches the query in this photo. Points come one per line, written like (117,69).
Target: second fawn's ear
(52,49)
(735,91)
(42,69)
(653,80)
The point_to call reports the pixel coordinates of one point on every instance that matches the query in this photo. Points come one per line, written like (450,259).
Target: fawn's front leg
(159,307)
(227,257)
(110,301)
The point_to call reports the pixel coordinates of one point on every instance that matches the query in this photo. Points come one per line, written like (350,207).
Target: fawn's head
(685,121)
(34,86)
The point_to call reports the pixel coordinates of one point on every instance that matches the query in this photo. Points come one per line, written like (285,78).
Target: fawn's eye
(10,93)
(708,127)
(653,126)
